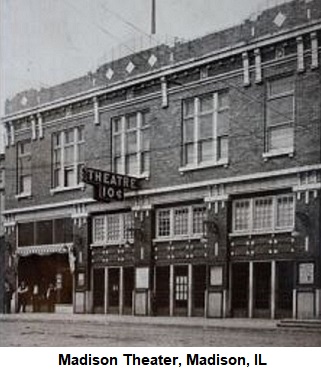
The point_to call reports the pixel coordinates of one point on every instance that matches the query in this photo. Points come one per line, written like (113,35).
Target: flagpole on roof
(153,23)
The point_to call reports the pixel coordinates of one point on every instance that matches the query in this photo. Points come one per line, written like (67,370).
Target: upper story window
(68,157)
(45,232)
(113,228)
(280,116)
(206,129)
(264,214)
(24,168)
(180,222)
(131,144)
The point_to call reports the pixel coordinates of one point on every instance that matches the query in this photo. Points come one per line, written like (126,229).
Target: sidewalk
(237,323)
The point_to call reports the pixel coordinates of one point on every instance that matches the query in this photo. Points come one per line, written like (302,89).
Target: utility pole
(153,29)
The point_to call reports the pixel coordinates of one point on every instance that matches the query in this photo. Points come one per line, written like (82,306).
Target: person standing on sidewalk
(35,298)
(7,297)
(51,297)
(22,296)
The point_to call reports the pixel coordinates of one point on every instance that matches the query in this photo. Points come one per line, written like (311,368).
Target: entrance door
(262,290)
(129,282)
(180,290)
(284,289)
(162,292)
(113,290)
(199,286)
(99,290)
(240,289)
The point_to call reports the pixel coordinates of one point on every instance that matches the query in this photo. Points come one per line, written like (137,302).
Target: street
(58,330)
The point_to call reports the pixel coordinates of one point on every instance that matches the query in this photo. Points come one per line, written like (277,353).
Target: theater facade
(220,137)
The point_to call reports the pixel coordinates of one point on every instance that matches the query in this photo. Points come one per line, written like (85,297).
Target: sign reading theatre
(108,186)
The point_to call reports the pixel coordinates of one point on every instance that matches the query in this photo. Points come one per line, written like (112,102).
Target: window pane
(80,134)
(223,123)
(99,229)
(117,145)
(145,162)
(69,155)
(113,228)
(116,125)
(57,139)
(25,184)
(146,139)
(81,152)
(145,119)
(280,110)
(117,165)
(128,226)
(132,164)
(189,108)
(263,213)
(131,122)
(206,126)
(69,177)
(242,215)
(131,142)
(69,136)
(206,150)
(57,156)
(189,153)
(163,218)
(222,148)
(63,230)
(189,130)
(280,137)
(198,219)
(26,234)
(56,177)
(285,212)
(44,232)
(180,221)
(206,104)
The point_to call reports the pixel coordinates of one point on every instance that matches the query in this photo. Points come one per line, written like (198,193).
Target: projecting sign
(108,186)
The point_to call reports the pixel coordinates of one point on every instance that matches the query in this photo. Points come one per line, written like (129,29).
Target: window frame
(190,223)
(126,233)
(61,167)
(274,215)
(24,169)
(196,115)
(268,151)
(123,132)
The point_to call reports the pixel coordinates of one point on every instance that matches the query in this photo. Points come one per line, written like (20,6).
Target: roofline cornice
(170,69)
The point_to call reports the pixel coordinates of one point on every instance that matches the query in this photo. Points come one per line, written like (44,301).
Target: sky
(46,42)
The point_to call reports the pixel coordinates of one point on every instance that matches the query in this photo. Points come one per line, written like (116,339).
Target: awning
(62,248)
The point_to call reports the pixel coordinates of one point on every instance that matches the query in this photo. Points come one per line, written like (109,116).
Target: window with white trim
(263,214)
(280,115)
(180,222)
(113,228)
(131,144)
(68,157)
(24,168)
(206,129)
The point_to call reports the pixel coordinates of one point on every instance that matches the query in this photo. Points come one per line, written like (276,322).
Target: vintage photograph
(160,173)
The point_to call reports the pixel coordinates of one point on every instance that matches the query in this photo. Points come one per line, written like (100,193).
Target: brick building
(223,133)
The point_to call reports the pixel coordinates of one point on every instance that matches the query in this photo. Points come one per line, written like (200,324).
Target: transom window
(113,228)
(176,222)
(280,115)
(68,157)
(24,168)
(263,214)
(131,144)
(206,129)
